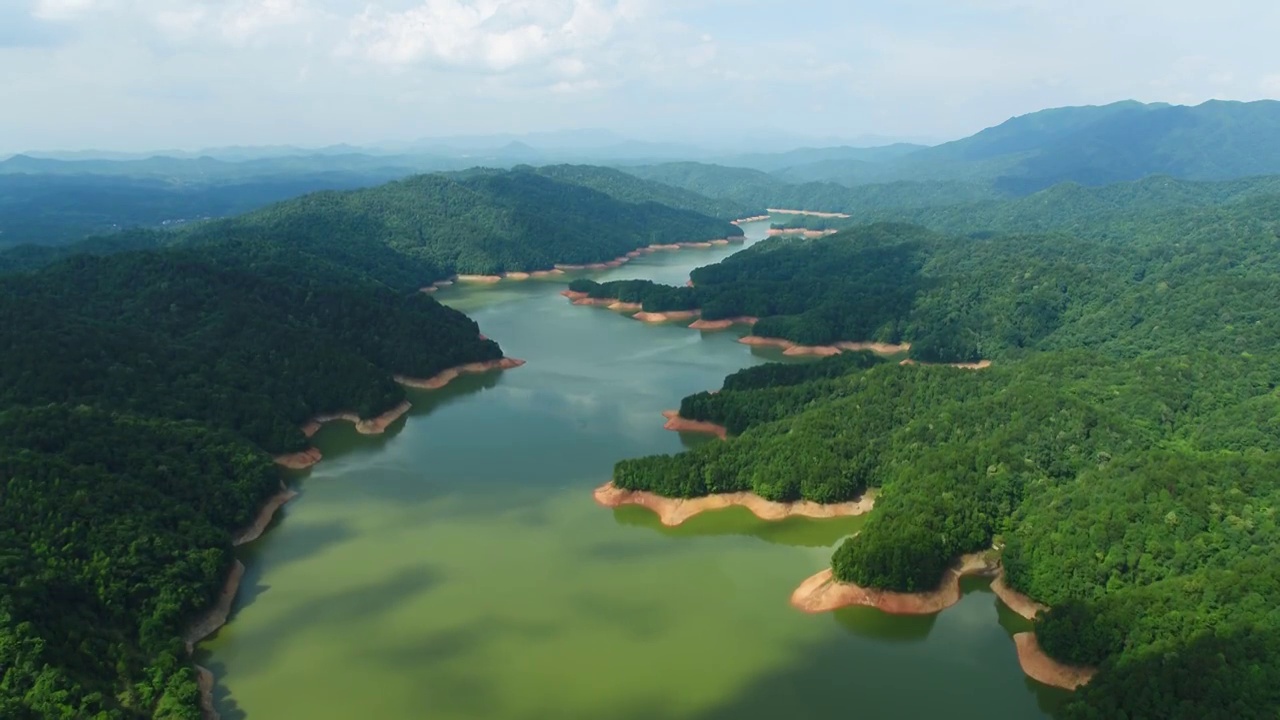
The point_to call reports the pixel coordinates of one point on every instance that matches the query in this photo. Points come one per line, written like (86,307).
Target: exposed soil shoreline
(562,268)
(822,592)
(679,424)
(264,517)
(675,511)
(445,377)
(1016,601)
(794,349)
(1043,669)
(811,213)
(754,218)
(378,425)
(216,616)
(669,316)
(803,232)
(725,324)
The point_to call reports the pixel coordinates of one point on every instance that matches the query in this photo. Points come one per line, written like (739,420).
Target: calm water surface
(457,567)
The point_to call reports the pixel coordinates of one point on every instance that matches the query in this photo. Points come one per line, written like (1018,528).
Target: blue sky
(146,74)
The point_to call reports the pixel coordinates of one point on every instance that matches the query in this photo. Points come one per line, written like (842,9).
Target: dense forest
(1133,495)
(1120,283)
(1121,451)
(254,346)
(629,188)
(115,530)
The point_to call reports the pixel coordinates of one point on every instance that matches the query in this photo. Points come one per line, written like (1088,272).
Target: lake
(457,567)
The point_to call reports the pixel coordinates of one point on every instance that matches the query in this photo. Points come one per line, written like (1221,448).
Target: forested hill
(1135,496)
(1121,452)
(252,344)
(140,395)
(1127,285)
(633,189)
(411,232)
(759,189)
(115,530)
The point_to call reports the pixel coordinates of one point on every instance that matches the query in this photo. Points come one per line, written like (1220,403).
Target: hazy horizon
(146,75)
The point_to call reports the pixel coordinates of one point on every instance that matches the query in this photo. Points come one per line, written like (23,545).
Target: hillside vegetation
(1121,451)
(412,232)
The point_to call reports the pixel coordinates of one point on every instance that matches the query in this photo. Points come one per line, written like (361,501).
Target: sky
(150,74)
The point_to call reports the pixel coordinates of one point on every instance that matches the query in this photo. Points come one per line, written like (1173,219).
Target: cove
(458,567)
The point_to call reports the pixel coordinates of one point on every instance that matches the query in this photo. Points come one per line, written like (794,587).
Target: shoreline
(679,424)
(675,511)
(821,592)
(377,425)
(793,349)
(669,316)
(216,616)
(811,213)
(725,324)
(802,232)
(1016,601)
(1038,666)
(372,426)
(753,218)
(265,514)
(656,247)
(444,377)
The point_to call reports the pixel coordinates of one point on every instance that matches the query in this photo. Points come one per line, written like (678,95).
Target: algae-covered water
(457,566)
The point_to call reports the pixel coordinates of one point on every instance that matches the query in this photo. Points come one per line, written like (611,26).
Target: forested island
(151,376)
(1117,460)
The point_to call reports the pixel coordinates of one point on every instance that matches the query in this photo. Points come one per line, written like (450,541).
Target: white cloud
(489,35)
(59,10)
(202,72)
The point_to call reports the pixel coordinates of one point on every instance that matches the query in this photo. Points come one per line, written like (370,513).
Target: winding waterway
(457,566)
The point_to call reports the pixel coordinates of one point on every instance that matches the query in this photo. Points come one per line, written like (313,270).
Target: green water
(457,567)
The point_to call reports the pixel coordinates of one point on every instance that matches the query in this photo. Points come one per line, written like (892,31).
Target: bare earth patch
(675,511)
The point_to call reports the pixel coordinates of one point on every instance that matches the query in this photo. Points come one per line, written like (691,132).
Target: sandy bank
(670,316)
(483,279)
(674,511)
(724,324)
(793,349)
(268,511)
(371,426)
(980,365)
(756,218)
(299,460)
(216,616)
(679,424)
(445,377)
(1040,667)
(822,593)
(1016,601)
(811,213)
